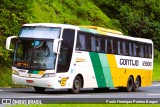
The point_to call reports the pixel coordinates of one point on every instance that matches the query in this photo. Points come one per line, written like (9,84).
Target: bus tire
(136,84)
(130,84)
(39,89)
(77,83)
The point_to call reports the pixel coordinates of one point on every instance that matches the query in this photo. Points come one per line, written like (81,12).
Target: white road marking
(1,90)
(64,96)
(154,85)
(154,94)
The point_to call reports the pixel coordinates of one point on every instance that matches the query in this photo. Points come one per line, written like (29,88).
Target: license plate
(29,81)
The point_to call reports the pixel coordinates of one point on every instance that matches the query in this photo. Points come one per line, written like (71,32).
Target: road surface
(85,96)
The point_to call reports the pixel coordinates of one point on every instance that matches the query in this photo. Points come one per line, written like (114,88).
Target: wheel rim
(76,84)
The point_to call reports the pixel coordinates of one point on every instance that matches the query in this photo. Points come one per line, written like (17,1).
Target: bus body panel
(104,68)
(61,80)
(98,69)
(84,67)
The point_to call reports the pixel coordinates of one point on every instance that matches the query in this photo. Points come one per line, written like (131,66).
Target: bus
(62,56)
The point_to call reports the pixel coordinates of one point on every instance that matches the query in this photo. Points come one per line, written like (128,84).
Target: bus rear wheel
(136,84)
(130,84)
(77,83)
(39,89)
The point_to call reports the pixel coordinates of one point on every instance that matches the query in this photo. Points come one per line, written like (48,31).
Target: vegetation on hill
(133,17)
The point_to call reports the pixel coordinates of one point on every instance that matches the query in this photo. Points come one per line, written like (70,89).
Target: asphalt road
(87,95)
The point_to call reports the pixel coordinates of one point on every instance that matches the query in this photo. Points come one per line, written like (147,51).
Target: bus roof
(94,30)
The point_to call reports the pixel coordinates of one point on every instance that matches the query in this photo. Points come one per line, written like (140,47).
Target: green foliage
(4,54)
(157,55)
(156,69)
(73,12)
(13,13)
(138,18)
(5,77)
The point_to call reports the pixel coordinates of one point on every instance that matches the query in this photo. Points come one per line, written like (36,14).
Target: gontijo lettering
(129,62)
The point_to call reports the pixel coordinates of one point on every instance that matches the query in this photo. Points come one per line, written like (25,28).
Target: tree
(138,18)
(13,13)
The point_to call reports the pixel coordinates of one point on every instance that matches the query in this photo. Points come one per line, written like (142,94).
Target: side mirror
(55,45)
(8,42)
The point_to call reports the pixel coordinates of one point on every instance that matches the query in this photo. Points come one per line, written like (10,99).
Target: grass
(5,72)
(88,105)
(156,70)
(71,12)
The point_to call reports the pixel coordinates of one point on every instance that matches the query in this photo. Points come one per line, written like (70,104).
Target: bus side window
(138,54)
(103,45)
(150,51)
(78,44)
(127,48)
(98,44)
(120,48)
(106,45)
(93,43)
(109,47)
(146,51)
(124,48)
(130,49)
(66,50)
(134,50)
(82,40)
(88,43)
(142,50)
(115,49)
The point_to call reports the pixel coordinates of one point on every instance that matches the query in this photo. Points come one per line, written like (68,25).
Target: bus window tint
(78,44)
(88,43)
(103,45)
(124,48)
(130,49)
(142,50)
(127,48)
(138,54)
(106,45)
(82,42)
(134,50)
(66,50)
(150,51)
(98,44)
(93,43)
(115,49)
(110,46)
(120,48)
(146,51)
